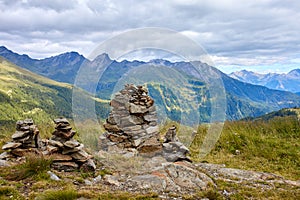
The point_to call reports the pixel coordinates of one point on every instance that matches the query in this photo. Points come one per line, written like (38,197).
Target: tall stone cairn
(24,140)
(68,154)
(132,123)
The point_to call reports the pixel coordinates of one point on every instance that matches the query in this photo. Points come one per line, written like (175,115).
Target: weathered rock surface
(262,179)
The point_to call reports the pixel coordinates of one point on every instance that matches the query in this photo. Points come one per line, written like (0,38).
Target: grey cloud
(225,28)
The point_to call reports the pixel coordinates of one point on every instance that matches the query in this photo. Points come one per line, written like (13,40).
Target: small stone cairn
(66,152)
(24,140)
(132,126)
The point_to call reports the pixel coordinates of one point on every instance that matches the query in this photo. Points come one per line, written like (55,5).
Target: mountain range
(177,88)
(286,82)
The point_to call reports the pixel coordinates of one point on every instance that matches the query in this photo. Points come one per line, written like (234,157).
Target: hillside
(286,82)
(286,112)
(180,92)
(24,94)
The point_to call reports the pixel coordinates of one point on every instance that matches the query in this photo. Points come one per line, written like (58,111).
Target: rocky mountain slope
(176,88)
(286,82)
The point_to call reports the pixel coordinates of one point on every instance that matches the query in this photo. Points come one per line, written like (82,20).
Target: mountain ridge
(243,99)
(286,82)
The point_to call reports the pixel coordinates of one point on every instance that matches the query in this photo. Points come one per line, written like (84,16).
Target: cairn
(132,126)
(173,149)
(24,140)
(67,153)
(132,123)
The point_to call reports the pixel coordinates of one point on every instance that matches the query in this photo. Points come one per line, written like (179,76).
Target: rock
(64,166)
(19,134)
(112,180)
(97,179)
(88,166)
(150,146)
(130,120)
(71,144)
(23,152)
(111,119)
(72,150)
(64,128)
(61,121)
(87,182)
(11,145)
(52,149)
(171,135)
(64,135)
(186,177)
(136,109)
(60,157)
(152,130)
(55,143)
(53,176)
(5,155)
(81,156)
(150,118)
(175,151)
(150,182)
(112,128)
(4,163)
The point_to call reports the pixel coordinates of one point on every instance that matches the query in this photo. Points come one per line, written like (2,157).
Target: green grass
(34,167)
(8,192)
(68,194)
(263,145)
(269,146)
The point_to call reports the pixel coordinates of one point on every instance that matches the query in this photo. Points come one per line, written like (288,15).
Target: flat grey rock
(11,145)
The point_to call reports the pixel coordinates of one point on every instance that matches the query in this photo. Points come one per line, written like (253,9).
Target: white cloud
(235,32)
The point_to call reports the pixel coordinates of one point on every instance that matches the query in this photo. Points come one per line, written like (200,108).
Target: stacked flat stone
(132,123)
(173,149)
(24,140)
(68,154)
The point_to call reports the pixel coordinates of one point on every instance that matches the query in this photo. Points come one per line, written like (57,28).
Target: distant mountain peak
(103,57)
(3,49)
(286,82)
(294,72)
(160,62)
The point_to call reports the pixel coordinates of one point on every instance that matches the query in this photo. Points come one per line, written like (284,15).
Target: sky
(257,35)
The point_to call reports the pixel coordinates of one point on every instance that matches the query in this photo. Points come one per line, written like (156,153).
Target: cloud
(241,32)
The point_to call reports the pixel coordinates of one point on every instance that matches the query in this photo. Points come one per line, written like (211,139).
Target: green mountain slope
(24,94)
(286,112)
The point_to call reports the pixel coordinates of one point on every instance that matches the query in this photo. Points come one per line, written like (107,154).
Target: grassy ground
(269,146)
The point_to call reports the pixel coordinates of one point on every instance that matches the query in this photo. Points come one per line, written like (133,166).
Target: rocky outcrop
(132,126)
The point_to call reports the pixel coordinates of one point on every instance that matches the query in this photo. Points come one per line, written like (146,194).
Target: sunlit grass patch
(35,166)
